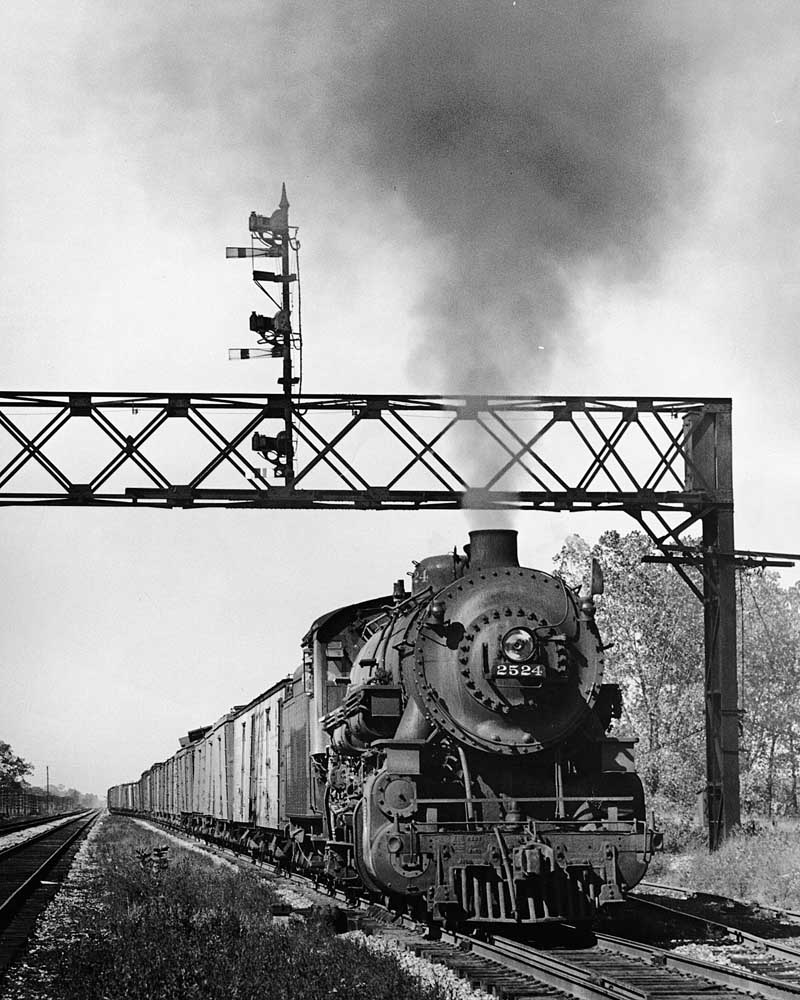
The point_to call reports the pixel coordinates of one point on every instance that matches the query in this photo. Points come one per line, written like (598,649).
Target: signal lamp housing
(272,448)
(279,323)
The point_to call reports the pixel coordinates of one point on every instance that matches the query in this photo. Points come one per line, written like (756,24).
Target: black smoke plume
(530,140)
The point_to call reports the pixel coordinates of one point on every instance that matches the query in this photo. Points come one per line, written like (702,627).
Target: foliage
(652,626)
(82,800)
(761,862)
(769,673)
(656,626)
(12,769)
(683,830)
(171,924)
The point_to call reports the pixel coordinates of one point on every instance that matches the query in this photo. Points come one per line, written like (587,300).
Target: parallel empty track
(730,921)
(31,821)
(30,874)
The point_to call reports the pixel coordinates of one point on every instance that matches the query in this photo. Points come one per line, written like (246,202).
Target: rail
(26,824)
(766,945)
(23,882)
(778,911)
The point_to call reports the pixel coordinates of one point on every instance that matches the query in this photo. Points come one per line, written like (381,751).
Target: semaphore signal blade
(252,252)
(250,353)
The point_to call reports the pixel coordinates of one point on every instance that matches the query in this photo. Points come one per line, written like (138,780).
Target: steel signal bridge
(666,462)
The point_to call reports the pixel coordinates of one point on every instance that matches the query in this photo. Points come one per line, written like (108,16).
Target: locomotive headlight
(519,645)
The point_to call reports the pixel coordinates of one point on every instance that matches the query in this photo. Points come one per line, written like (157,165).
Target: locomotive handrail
(548,798)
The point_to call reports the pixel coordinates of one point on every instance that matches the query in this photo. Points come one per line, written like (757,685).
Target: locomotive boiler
(469,766)
(448,748)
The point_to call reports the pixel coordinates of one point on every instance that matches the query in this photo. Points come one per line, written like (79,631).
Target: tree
(652,626)
(769,660)
(655,625)
(12,769)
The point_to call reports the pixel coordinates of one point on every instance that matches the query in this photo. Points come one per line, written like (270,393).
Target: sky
(520,196)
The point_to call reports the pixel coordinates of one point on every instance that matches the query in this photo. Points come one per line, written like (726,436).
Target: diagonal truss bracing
(382,452)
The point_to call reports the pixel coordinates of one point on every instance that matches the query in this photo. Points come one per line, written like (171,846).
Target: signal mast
(273,238)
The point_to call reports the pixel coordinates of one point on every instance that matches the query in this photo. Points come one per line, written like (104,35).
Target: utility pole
(47,771)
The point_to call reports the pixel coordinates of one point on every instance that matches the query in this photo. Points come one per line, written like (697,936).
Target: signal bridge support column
(710,443)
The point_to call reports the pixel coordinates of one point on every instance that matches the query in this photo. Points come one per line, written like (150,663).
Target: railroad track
(25,888)
(612,968)
(760,955)
(725,902)
(28,822)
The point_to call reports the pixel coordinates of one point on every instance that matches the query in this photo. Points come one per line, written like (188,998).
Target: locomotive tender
(447,748)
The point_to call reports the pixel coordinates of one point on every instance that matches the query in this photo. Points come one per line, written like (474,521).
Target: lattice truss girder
(665,462)
(375,452)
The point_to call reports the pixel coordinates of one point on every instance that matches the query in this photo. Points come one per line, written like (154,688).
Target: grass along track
(611,968)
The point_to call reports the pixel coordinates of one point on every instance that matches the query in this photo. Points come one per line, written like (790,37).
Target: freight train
(448,748)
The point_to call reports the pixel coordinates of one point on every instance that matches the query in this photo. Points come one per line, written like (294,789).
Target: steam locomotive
(447,748)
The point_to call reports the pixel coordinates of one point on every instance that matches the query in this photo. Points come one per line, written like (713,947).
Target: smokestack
(493,547)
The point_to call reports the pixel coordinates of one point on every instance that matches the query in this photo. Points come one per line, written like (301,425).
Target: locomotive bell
(493,547)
